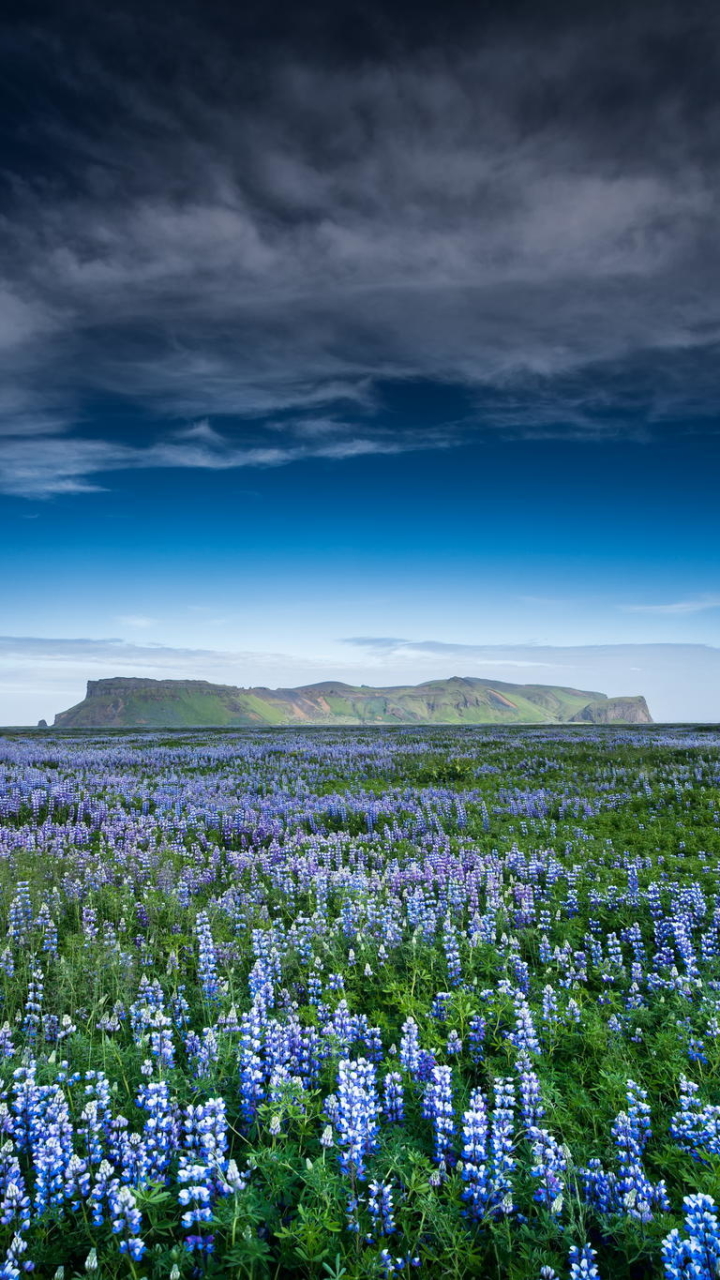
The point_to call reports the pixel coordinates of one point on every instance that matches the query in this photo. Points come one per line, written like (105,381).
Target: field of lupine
(360,1003)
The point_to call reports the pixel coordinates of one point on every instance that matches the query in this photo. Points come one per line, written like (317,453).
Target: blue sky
(270,575)
(312,334)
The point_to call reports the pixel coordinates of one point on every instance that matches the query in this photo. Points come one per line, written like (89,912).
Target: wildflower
(695,1127)
(696,1257)
(393,1105)
(380,1206)
(207,961)
(357,1114)
(582,1263)
(452,953)
(476,1036)
(438,1107)
(474,1155)
(501,1144)
(631,1131)
(549,1165)
(530,1095)
(410,1047)
(126,1221)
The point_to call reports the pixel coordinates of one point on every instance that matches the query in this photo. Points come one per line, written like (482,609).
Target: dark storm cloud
(263,223)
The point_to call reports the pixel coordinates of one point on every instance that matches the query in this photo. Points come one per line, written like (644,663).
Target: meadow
(360,1003)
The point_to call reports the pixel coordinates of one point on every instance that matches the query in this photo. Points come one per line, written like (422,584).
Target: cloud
(137,620)
(698,605)
(42,675)
(383,645)
(527,214)
(36,466)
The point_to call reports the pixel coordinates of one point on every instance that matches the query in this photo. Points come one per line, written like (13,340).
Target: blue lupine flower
(531,1103)
(475,1175)
(549,1166)
(380,1206)
(695,1127)
(476,1036)
(631,1130)
(438,1107)
(207,959)
(696,1256)
(201,1052)
(126,1221)
(12,1266)
(454,1044)
(357,1117)
(410,1047)
(393,1102)
(582,1263)
(501,1145)
(452,952)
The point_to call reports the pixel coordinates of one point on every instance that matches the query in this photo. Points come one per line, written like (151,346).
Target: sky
(374,341)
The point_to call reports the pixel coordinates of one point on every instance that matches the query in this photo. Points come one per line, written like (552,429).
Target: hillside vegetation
(128,703)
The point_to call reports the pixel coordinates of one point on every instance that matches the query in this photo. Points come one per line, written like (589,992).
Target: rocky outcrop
(631,710)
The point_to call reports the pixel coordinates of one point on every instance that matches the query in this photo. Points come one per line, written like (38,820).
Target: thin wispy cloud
(39,467)
(271,260)
(107,656)
(677,607)
(393,647)
(138,621)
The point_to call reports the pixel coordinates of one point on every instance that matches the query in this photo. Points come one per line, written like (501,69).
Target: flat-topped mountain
(126,703)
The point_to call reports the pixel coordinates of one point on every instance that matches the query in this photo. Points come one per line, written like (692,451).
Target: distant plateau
(126,703)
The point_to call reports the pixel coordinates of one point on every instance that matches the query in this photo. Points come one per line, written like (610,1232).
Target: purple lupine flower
(427,1063)
(252,1072)
(7,1047)
(439,1006)
(20,915)
(524,1037)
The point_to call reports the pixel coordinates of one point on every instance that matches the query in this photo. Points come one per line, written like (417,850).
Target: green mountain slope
(127,702)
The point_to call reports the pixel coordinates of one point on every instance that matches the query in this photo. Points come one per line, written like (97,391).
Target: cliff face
(633,710)
(129,702)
